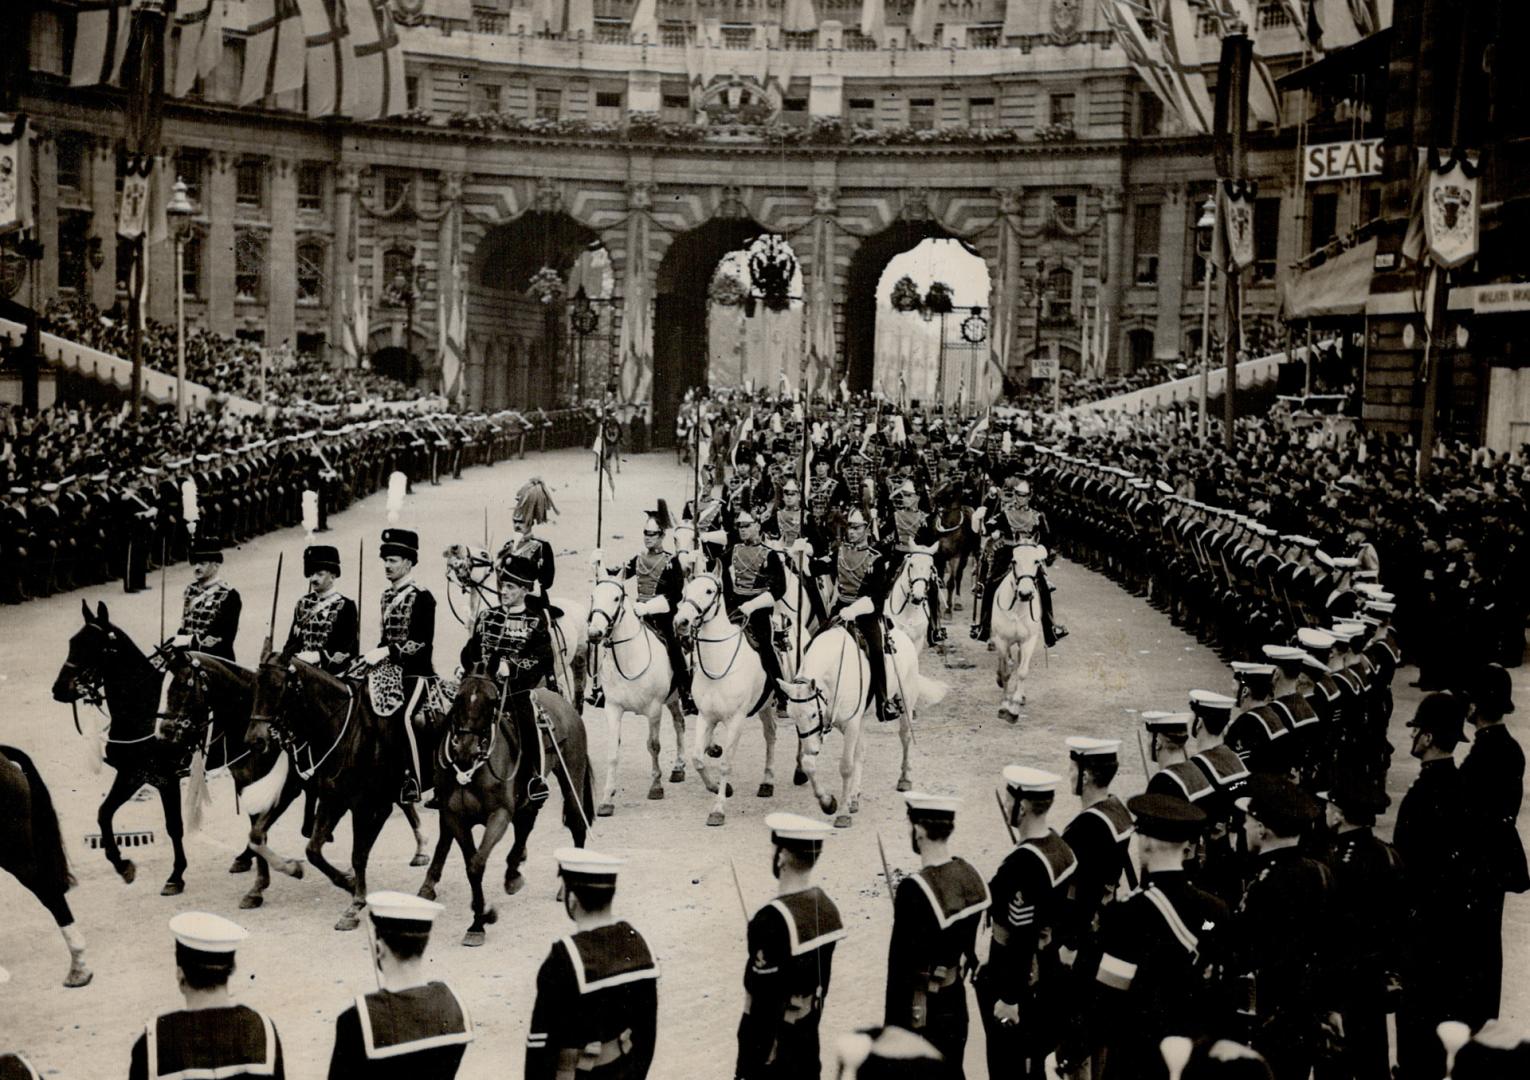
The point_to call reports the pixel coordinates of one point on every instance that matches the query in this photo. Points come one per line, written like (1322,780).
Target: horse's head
(808,709)
(186,706)
(91,652)
(468,568)
(472,723)
(1024,563)
(608,597)
(276,673)
(919,569)
(698,603)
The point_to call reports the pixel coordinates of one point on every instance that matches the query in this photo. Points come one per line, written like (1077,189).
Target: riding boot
(533,763)
(1051,631)
(763,633)
(594,696)
(985,624)
(888,709)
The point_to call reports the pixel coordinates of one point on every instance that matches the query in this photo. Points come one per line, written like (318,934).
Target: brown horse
(475,785)
(336,740)
(957,542)
(32,850)
(103,664)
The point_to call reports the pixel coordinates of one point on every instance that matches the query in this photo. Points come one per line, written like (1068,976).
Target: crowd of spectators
(226,365)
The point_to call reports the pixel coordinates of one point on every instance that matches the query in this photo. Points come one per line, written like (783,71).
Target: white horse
(636,678)
(796,617)
(833,691)
(727,682)
(1016,627)
(907,600)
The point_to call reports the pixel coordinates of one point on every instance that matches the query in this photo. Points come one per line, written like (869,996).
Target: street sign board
(1348,160)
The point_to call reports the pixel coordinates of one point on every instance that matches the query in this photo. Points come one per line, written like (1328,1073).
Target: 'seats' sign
(1342,160)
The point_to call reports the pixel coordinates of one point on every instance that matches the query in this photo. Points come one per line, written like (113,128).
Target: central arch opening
(931,323)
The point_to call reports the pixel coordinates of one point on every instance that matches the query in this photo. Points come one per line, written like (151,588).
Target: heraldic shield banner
(1450,211)
(15,182)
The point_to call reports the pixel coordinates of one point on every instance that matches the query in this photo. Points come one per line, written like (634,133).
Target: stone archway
(680,312)
(860,298)
(505,260)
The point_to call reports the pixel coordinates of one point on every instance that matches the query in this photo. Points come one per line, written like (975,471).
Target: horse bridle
(609,643)
(1017,578)
(702,616)
(89,685)
(823,725)
(288,739)
(924,579)
(485,750)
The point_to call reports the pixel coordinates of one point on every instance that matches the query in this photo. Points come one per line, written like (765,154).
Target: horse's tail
(258,797)
(931,691)
(49,858)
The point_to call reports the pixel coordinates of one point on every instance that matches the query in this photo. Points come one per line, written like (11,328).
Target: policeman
(1159,949)
(597,997)
(1019,987)
(1369,920)
(210,611)
(660,585)
(754,580)
(862,574)
(511,642)
(411,1025)
(1281,944)
(791,957)
(936,914)
(211,1036)
(408,637)
(326,626)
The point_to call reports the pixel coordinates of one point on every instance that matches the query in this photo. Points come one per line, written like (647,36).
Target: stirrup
(940,634)
(974,631)
(537,789)
(410,792)
(595,696)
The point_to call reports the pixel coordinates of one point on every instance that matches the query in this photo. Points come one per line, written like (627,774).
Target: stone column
(103,222)
(219,261)
(818,284)
(1173,270)
(342,261)
(281,254)
(635,386)
(1113,260)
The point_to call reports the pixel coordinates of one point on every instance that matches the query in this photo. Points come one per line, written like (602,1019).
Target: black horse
(475,785)
(32,850)
(353,757)
(104,664)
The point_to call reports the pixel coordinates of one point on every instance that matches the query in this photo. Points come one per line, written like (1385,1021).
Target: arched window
(310,272)
(1060,294)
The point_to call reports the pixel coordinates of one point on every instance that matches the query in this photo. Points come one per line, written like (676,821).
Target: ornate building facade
(1022,131)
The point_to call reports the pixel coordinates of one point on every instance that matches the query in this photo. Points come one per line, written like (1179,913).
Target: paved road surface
(1122,657)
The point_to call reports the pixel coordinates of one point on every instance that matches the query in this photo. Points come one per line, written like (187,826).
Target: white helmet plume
(191,512)
(310,512)
(397,483)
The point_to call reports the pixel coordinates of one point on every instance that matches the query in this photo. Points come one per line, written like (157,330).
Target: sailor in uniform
(210,612)
(1158,962)
(1100,835)
(411,1025)
(791,957)
(597,999)
(511,642)
(936,915)
(211,1036)
(1019,988)
(325,624)
(408,636)
(862,575)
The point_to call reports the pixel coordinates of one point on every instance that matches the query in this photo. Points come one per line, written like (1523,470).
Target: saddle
(385,684)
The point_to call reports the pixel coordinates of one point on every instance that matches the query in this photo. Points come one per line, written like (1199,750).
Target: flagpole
(600,468)
(696,483)
(807,419)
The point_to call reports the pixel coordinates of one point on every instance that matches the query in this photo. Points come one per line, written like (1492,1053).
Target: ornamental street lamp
(179,211)
(974,333)
(1207,225)
(404,292)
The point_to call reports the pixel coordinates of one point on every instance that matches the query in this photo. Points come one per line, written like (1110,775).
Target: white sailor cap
(403,907)
(1346,631)
(148,470)
(50,487)
(1344,562)
(1025,780)
(1380,594)
(924,806)
(1284,654)
(1323,557)
(796,831)
(1314,664)
(1082,746)
(1164,722)
(1313,638)
(1380,607)
(1243,668)
(204,932)
(581,866)
(1210,700)
(19,490)
(1163,486)
(204,458)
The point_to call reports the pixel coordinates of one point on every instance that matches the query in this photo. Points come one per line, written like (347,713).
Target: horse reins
(702,617)
(612,621)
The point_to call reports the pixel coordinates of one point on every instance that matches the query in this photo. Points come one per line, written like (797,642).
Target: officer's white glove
(977,518)
(715,536)
(457,674)
(181,641)
(800,546)
(308,656)
(758,603)
(857,608)
(655,606)
(504,668)
(373,657)
(597,557)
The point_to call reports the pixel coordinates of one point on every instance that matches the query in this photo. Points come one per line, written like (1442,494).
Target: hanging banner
(1450,213)
(15,179)
(133,211)
(1238,223)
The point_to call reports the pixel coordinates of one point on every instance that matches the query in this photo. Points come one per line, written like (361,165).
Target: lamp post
(974,333)
(1206,224)
(403,293)
(179,211)
(584,320)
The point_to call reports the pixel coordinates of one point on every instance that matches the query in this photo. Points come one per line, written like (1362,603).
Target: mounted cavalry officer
(532,504)
(788,524)
(862,574)
(211,1036)
(660,583)
(408,641)
(597,1001)
(1008,519)
(511,642)
(753,581)
(210,613)
(325,625)
(827,496)
(411,1025)
(936,915)
(1020,988)
(791,958)
(908,525)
